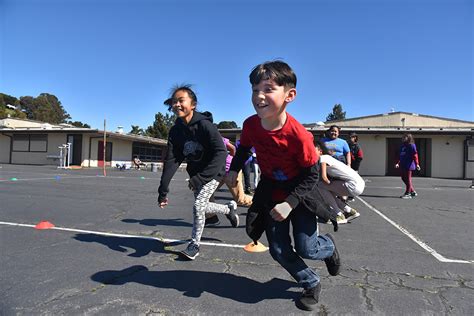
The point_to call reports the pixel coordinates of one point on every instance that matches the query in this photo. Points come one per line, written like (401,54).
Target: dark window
(30,143)
(147,152)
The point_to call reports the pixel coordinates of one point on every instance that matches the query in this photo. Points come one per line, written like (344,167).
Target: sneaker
(309,298)
(406,196)
(413,194)
(191,251)
(333,263)
(350,199)
(352,214)
(232,216)
(212,221)
(248,191)
(341,219)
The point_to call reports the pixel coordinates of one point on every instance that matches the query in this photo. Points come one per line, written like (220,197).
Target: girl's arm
(230,148)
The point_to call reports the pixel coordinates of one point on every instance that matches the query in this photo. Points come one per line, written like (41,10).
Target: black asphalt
(384,272)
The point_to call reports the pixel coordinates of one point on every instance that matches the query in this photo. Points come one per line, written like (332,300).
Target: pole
(105,145)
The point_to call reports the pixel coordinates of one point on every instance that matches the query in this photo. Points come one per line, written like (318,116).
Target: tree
(161,125)
(136,130)
(337,114)
(227,124)
(46,108)
(79,124)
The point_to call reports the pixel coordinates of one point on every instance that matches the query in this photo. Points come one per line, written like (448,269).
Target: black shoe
(191,251)
(309,298)
(333,263)
(350,199)
(212,221)
(406,196)
(232,216)
(248,191)
(413,194)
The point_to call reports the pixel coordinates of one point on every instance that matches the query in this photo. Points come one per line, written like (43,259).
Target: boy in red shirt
(287,191)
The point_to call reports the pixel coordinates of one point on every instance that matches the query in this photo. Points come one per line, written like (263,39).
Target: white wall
(40,158)
(121,151)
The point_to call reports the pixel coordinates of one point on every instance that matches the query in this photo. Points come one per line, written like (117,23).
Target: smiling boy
(287,192)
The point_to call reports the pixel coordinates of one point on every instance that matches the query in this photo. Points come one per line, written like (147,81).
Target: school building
(445,146)
(37,143)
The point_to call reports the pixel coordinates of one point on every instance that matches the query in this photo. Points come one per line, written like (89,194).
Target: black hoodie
(200,145)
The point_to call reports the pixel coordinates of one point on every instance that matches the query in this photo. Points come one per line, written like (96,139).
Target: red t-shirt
(282,153)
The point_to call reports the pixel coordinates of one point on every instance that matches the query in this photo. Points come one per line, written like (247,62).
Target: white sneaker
(341,219)
(351,215)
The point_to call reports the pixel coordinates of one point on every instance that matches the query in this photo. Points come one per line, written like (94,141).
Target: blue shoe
(191,251)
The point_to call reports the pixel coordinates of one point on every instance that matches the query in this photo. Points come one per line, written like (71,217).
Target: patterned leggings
(203,206)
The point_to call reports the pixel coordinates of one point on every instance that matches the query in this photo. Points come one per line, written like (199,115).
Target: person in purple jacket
(407,162)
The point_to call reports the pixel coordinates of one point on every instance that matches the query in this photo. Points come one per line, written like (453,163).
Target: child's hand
(418,167)
(326,180)
(163,203)
(397,165)
(281,211)
(232,176)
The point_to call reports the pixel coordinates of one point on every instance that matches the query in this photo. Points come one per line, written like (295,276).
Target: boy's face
(183,105)
(333,133)
(270,100)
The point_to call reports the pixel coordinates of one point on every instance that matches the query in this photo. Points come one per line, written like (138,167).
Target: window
(147,152)
(30,143)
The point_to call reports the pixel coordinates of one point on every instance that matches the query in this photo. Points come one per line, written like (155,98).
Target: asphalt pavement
(112,251)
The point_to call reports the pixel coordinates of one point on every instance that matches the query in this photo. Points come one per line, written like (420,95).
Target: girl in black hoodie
(194,139)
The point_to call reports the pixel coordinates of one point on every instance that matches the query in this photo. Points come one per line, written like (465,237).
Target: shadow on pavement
(194,283)
(159,222)
(381,196)
(141,246)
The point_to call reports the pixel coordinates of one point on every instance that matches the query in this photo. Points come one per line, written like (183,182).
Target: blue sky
(118,59)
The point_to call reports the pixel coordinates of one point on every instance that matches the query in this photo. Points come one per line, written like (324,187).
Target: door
(76,149)
(393,151)
(100,154)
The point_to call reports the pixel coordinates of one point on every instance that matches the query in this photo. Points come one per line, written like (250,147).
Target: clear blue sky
(119,58)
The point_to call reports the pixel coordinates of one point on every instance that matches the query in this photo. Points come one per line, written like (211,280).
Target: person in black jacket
(194,139)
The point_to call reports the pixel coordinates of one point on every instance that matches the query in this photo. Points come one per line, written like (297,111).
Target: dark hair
(410,139)
(320,145)
(334,126)
(276,70)
(183,87)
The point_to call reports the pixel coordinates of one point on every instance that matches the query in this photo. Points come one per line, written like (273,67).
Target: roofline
(393,113)
(48,130)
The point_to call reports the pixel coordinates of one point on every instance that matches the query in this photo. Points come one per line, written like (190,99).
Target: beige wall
(447,158)
(375,155)
(4,149)
(121,151)
(40,158)
(410,120)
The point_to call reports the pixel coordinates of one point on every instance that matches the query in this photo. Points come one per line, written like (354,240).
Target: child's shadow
(158,222)
(141,246)
(194,283)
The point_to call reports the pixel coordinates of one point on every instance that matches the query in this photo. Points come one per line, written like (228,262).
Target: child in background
(356,152)
(338,179)
(194,139)
(287,191)
(407,162)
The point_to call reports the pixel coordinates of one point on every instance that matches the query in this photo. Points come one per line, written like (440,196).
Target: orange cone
(44,225)
(255,247)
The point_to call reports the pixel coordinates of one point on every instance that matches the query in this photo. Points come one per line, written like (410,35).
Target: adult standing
(337,147)
(356,152)
(407,162)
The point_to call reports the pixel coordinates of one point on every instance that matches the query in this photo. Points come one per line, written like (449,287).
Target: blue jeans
(308,245)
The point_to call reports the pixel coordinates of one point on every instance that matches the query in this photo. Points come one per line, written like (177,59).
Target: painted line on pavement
(165,240)
(417,240)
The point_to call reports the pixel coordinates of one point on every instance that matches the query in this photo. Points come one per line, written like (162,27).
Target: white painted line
(64,177)
(417,240)
(164,240)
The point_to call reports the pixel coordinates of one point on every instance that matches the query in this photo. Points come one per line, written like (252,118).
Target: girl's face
(334,133)
(183,105)
(269,99)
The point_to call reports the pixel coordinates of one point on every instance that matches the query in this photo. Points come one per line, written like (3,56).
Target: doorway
(100,154)
(423,146)
(76,149)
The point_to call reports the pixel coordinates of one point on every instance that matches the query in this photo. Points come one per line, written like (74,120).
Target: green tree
(79,124)
(336,114)
(227,125)
(8,99)
(161,125)
(45,107)
(136,130)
